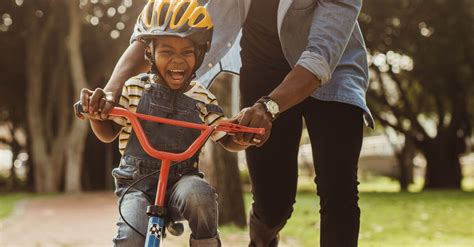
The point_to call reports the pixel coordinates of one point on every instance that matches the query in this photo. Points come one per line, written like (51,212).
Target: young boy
(178,34)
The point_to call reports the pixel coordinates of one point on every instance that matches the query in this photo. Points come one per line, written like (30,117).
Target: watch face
(272,107)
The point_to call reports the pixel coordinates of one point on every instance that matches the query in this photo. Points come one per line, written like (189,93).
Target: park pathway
(82,220)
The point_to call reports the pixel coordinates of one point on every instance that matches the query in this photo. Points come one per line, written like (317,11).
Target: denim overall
(188,196)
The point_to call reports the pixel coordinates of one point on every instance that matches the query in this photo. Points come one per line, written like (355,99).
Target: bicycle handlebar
(206,131)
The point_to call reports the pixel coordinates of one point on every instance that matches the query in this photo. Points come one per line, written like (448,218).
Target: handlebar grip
(78,107)
(235,128)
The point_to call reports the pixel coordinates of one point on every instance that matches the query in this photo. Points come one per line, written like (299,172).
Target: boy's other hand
(97,104)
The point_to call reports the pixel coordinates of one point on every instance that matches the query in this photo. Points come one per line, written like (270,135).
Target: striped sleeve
(218,135)
(124,103)
(213,113)
(131,94)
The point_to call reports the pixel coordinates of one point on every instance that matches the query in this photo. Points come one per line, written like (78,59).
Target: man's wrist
(270,106)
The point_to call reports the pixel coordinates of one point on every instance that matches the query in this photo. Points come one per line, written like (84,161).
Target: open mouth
(176,74)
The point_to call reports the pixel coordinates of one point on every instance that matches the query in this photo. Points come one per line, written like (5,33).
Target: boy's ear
(148,54)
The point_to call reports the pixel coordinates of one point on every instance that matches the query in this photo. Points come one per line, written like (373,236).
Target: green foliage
(439,42)
(422,85)
(431,219)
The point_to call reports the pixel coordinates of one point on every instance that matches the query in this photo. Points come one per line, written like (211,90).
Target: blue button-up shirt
(323,36)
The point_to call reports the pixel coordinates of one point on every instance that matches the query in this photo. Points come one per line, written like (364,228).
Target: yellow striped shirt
(132,92)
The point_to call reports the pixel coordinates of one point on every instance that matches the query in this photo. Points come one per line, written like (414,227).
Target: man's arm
(297,86)
(333,24)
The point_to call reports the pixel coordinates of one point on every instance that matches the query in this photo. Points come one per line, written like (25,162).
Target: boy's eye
(165,52)
(188,53)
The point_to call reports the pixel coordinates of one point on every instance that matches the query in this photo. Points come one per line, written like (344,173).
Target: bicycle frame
(156,223)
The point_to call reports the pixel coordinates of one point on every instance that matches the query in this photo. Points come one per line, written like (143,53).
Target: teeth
(177,71)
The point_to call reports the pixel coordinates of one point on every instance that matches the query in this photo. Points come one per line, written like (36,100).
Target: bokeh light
(120,25)
(39,13)
(115,34)
(7,19)
(121,9)
(111,11)
(95,20)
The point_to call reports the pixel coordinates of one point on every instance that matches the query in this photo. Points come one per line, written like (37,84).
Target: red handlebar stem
(167,157)
(206,131)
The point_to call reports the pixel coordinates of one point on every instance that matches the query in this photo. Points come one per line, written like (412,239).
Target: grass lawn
(431,218)
(442,218)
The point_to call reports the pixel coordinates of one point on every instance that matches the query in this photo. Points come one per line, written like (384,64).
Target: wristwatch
(270,105)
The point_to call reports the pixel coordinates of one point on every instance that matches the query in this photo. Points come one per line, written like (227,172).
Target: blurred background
(416,168)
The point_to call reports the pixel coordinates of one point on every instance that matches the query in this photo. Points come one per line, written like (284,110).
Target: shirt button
(147,86)
(229,44)
(210,65)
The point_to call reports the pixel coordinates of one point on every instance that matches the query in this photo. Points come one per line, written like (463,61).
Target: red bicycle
(157,212)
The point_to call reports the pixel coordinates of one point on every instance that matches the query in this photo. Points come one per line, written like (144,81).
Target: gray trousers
(191,198)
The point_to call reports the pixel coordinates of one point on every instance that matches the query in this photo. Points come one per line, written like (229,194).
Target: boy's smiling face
(175,60)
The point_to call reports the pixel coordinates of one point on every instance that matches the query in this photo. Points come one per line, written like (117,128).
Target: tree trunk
(30,176)
(99,159)
(110,163)
(443,169)
(74,156)
(405,161)
(15,147)
(56,139)
(221,166)
(78,134)
(222,172)
(46,153)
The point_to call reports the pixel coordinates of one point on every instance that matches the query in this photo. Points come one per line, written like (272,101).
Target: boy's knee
(195,192)
(128,237)
(201,205)
(202,196)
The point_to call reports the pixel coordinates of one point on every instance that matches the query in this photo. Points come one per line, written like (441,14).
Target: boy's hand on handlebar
(96,104)
(255,117)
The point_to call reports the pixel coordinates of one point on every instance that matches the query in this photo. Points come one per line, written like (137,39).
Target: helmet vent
(199,18)
(181,12)
(163,14)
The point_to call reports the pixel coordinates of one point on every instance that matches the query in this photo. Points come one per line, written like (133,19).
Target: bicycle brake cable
(126,191)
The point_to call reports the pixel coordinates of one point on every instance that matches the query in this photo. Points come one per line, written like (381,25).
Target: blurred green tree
(52,50)
(422,64)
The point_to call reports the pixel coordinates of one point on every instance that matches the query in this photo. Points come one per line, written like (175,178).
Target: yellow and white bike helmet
(183,18)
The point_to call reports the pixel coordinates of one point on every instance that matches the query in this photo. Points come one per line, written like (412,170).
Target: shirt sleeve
(124,103)
(214,115)
(332,26)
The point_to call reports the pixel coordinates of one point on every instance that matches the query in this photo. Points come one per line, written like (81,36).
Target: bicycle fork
(157,212)
(156,231)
